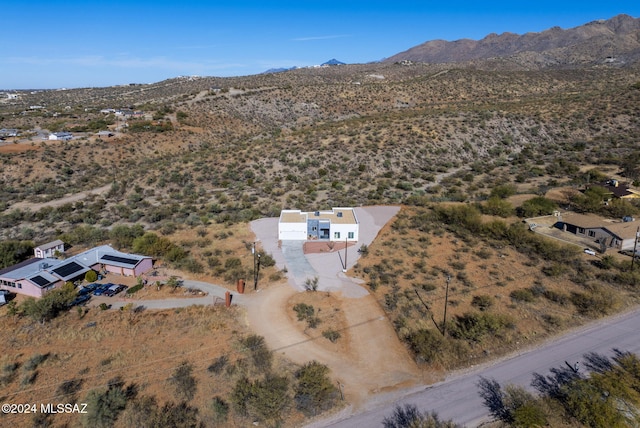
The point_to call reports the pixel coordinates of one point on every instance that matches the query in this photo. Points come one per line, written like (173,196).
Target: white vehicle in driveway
(589,251)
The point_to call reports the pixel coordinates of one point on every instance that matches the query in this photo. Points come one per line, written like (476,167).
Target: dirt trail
(35,206)
(374,361)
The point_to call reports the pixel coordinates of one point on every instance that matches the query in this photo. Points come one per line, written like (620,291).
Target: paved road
(457,397)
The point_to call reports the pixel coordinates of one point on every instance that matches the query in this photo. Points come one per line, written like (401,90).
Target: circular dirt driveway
(375,360)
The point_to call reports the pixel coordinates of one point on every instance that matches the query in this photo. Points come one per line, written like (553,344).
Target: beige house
(617,234)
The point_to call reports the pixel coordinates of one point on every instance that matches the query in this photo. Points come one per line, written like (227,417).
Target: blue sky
(70,44)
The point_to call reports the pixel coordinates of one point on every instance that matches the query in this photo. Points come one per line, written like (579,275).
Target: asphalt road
(457,397)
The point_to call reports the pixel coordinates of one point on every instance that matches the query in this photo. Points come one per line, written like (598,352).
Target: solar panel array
(118,259)
(40,280)
(68,269)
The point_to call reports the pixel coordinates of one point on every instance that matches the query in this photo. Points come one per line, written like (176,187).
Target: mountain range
(615,40)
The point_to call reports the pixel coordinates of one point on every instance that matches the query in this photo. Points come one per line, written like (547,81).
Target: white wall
(344,230)
(292,231)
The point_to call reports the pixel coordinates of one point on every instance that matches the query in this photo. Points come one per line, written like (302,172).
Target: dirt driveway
(375,360)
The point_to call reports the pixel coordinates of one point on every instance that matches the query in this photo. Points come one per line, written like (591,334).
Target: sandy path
(376,360)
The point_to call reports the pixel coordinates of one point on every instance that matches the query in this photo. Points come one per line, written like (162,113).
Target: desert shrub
(265,399)
(556,297)
(135,288)
(484,253)
(183,381)
(314,392)
(555,269)
(29,378)
(261,356)
(175,415)
(332,335)
(431,347)
(218,364)
(304,311)
(594,304)
(474,326)
(482,302)
(232,263)
(220,409)
(35,361)
(311,284)
(104,406)
(266,260)
(522,295)
(69,388)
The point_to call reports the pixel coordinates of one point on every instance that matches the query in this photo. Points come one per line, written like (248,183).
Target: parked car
(93,286)
(589,251)
(80,300)
(102,289)
(114,289)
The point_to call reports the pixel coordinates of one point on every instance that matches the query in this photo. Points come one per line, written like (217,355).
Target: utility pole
(635,245)
(345,254)
(256,266)
(446,301)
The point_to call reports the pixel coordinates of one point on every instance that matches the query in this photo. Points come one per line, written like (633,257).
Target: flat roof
(293,217)
(335,216)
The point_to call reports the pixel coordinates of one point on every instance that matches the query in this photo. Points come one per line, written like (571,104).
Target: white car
(589,251)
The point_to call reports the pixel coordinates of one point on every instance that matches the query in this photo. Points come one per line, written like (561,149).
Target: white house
(49,249)
(339,224)
(61,136)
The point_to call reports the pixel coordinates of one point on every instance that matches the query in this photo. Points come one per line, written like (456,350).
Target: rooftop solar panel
(39,280)
(118,259)
(68,269)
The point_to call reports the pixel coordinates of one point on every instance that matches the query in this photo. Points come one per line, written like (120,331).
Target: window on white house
(336,235)
(592,233)
(351,235)
(581,230)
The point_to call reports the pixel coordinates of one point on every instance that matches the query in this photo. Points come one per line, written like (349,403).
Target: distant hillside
(616,40)
(333,61)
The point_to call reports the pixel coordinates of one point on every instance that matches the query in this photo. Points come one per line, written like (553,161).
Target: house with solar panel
(339,224)
(36,276)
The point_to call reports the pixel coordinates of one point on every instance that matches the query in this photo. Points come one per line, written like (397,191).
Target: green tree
(496,206)
(503,191)
(12,252)
(536,207)
(91,276)
(50,305)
